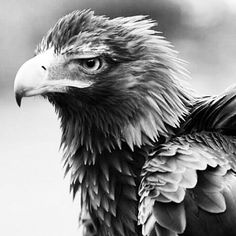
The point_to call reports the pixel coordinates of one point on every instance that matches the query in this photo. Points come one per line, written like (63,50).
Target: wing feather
(214,113)
(171,216)
(189,163)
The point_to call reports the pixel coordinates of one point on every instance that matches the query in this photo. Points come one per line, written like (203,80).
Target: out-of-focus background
(34,197)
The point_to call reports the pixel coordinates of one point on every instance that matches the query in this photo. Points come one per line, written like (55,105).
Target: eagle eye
(91,64)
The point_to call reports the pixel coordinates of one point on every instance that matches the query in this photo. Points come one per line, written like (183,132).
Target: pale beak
(32,76)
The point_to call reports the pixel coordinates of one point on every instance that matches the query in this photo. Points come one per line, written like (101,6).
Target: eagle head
(110,80)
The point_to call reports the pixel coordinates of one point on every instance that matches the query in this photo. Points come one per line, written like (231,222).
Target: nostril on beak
(44,67)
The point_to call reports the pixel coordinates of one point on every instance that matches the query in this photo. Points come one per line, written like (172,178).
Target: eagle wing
(217,113)
(188,184)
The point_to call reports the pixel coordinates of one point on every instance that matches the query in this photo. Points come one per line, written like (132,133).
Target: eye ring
(91,64)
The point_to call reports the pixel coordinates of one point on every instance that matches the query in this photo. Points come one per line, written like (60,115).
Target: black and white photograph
(118,118)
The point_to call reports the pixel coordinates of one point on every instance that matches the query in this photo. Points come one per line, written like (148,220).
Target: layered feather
(187,163)
(138,124)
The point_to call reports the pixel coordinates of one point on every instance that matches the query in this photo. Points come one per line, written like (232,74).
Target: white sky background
(34,198)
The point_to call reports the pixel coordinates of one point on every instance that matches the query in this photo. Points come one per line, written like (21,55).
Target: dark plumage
(145,155)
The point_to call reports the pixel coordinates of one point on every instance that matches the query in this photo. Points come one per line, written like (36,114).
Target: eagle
(146,155)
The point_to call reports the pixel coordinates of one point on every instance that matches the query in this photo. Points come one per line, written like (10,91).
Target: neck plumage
(103,147)
(96,129)
(132,108)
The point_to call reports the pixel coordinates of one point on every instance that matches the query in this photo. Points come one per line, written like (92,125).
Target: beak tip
(18,98)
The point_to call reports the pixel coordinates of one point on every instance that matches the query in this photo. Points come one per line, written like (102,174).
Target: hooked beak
(32,77)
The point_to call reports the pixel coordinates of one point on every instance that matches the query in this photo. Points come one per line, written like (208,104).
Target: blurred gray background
(34,197)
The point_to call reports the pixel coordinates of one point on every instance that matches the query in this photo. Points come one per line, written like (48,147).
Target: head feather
(137,99)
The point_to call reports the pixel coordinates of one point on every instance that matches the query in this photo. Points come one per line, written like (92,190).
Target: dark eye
(91,64)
